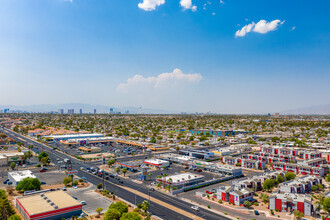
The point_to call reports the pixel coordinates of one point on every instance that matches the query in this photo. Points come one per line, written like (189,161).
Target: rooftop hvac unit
(45,197)
(42,195)
(48,200)
(51,203)
(55,207)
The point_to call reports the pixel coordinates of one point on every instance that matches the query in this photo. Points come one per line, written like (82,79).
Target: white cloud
(246,29)
(150,5)
(163,80)
(293,28)
(261,27)
(213,13)
(187,4)
(222,2)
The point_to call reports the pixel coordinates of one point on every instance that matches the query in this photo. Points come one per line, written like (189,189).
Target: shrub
(209,206)
(225,213)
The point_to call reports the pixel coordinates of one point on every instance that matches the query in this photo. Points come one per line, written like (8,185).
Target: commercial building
(208,166)
(61,111)
(89,141)
(73,136)
(90,149)
(53,205)
(132,166)
(8,157)
(157,163)
(218,133)
(16,176)
(94,111)
(200,154)
(70,111)
(290,202)
(182,180)
(80,111)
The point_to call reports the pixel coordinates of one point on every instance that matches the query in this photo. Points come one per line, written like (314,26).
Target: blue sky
(188,55)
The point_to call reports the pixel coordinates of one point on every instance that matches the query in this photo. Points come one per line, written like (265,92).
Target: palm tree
(164,175)
(124,171)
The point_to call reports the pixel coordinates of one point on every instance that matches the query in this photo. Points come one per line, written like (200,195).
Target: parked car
(75,187)
(256,212)
(64,188)
(196,208)
(6,181)
(75,197)
(43,183)
(208,192)
(120,181)
(43,170)
(83,203)
(152,189)
(10,183)
(199,170)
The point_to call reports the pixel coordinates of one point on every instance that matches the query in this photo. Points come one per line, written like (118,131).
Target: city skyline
(191,56)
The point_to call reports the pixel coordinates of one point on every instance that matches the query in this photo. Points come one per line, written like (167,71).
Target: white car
(196,208)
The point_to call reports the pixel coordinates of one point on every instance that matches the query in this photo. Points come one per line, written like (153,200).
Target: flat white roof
(156,161)
(183,177)
(20,175)
(75,136)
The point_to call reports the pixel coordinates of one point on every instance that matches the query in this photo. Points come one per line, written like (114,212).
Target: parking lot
(51,177)
(172,170)
(119,149)
(93,200)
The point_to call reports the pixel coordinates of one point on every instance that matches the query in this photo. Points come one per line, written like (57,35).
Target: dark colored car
(120,181)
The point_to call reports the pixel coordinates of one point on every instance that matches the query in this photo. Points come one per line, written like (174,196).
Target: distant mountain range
(86,108)
(312,110)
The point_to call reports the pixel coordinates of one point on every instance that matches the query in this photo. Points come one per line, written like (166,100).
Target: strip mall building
(52,205)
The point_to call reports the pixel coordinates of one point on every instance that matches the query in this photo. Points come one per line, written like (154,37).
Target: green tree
(12,165)
(264,197)
(177,149)
(279,179)
(117,169)
(42,154)
(145,205)
(120,206)
(111,162)
(315,188)
(153,139)
(45,160)
(99,210)
(14,217)
(28,184)
(67,180)
(328,178)
(326,204)
(6,209)
(111,214)
(247,204)
(268,184)
(297,214)
(150,174)
(124,171)
(99,186)
(75,183)
(289,176)
(28,155)
(130,216)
